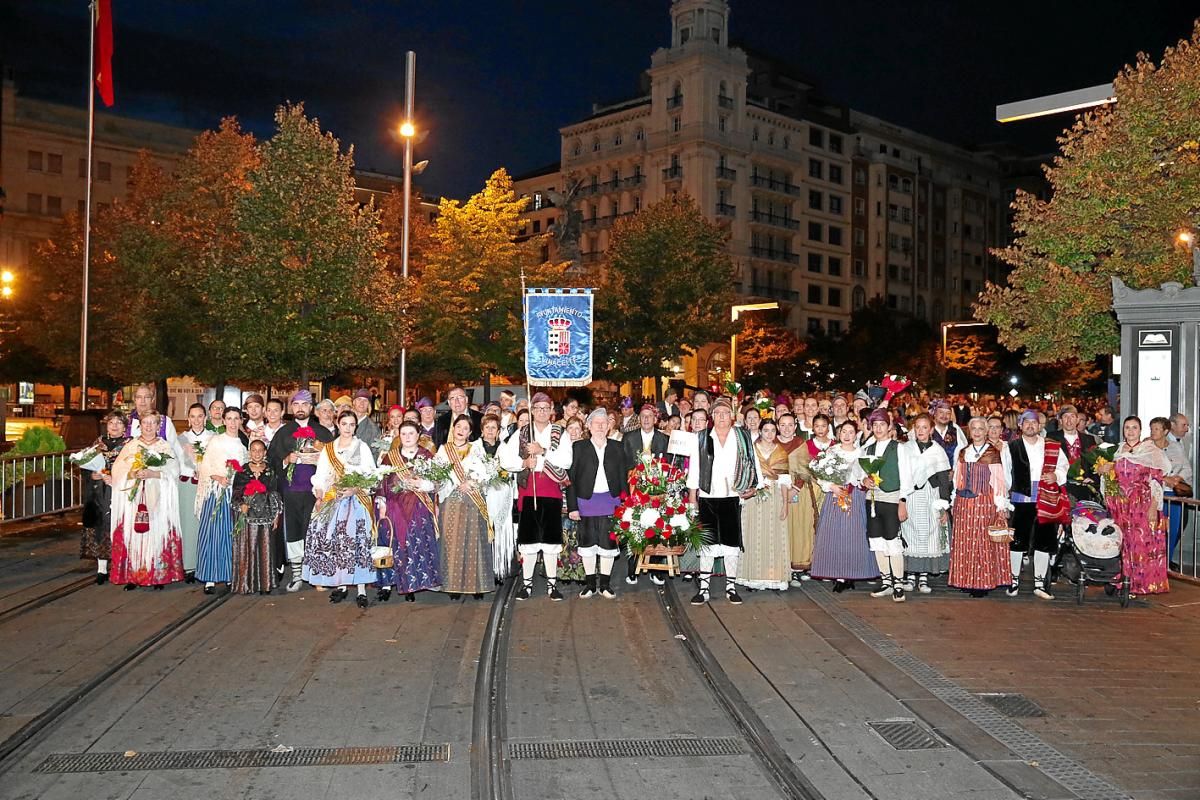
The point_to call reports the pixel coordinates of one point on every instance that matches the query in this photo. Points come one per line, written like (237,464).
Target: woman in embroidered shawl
(499,497)
(841,551)
(766,555)
(214,509)
(926,530)
(978,564)
(407,520)
(147,549)
(259,507)
(1139,467)
(466,556)
(806,496)
(337,546)
(96,541)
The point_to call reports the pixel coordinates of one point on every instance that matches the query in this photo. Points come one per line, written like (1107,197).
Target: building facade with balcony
(827,208)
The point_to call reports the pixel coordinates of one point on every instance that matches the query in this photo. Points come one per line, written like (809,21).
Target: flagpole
(528,390)
(87,209)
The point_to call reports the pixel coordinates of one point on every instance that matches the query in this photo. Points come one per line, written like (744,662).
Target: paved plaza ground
(107,693)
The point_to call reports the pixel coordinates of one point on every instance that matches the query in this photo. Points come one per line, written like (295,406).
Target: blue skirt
(841,549)
(214,562)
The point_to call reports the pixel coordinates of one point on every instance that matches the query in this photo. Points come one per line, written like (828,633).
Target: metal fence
(1183,528)
(39,485)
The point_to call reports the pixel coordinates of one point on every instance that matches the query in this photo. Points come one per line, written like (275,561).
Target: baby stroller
(1090,552)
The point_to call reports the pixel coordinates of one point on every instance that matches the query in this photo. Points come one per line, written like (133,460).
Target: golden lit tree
(1125,182)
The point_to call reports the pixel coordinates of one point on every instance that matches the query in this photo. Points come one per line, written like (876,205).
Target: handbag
(1052,504)
(141,519)
(381,556)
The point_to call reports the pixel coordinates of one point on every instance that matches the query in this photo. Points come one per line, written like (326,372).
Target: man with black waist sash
(722,474)
(1031,462)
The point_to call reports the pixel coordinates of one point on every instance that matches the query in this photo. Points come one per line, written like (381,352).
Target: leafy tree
(667,289)
(1125,182)
(972,353)
(467,300)
(768,355)
(305,291)
(879,341)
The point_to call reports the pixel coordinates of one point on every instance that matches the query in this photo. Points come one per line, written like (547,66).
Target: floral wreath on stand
(655,512)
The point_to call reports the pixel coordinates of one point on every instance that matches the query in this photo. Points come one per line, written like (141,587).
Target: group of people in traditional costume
(249,499)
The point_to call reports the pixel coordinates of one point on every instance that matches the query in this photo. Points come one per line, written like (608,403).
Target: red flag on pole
(104,51)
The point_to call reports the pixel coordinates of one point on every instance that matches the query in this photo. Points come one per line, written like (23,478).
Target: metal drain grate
(241,759)
(904,734)
(1011,704)
(627,748)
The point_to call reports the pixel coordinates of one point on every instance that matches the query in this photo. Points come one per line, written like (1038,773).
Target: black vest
(1021,480)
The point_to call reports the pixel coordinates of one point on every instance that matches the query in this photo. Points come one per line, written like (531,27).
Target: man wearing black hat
(645,440)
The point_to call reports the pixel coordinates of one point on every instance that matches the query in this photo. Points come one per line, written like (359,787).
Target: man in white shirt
(722,474)
(540,455)
(274,415)
(1030,463)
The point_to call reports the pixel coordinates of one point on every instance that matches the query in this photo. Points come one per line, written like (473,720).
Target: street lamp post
(408,132)
(736,312)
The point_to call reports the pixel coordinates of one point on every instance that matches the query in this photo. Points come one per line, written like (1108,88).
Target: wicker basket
(1001,534)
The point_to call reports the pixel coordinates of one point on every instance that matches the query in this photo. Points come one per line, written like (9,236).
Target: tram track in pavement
(17,744)
(47,597)
(783,772)
(491,772)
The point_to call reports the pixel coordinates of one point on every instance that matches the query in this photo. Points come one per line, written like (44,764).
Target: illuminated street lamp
(408,131)
(736,311)
(1075,100)
(6,284)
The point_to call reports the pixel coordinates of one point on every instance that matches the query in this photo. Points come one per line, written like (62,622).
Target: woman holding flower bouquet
(146,546)
(96,541)
(223,459)
(259,508)
(499,496)
(192,443)
(926,530)
(807,496)
(466,555)
(337,548)
(408,519)
(766,562)
(841,551)
(1139,467)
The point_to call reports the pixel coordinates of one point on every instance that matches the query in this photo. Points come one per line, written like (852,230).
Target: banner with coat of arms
(558,337)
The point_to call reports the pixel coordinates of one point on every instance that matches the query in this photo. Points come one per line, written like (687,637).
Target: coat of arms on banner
(558,337)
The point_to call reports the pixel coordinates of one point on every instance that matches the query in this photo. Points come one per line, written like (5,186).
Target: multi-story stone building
(827,208)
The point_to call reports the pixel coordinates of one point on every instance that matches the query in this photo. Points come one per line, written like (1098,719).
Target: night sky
(495,80)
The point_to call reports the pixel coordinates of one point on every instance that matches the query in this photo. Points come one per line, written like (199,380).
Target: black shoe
(410,598)
(189,577)
(478,595)
(687,576)
(210,589)
(383,595)
(700,598)
(455,595)
(101,578)
(656,579)
(526,591)
(732,596)
(129,587)
(553,593)
(158,587)
(361,601)
(979,593)
(840,586)
(338,595)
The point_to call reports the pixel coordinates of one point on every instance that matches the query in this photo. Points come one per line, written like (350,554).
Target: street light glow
(1185,237)
(5,292)
(6,276)
(407,130)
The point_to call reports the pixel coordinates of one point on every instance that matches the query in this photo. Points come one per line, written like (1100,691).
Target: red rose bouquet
(304,440)
(655,509)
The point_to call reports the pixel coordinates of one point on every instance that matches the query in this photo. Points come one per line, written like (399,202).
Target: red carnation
(655,502)
(623,496)
(234,465)
(304,433)
(650,533)
(641,467)
(254,487)
(612,536)
(660,523)
(624,525)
